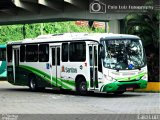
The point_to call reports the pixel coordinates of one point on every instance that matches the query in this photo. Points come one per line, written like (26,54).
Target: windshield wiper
(117,70)
(139,68)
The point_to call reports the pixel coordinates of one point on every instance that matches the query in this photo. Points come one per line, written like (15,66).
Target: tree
(146,26)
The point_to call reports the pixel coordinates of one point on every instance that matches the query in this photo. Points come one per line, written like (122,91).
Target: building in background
(96,24)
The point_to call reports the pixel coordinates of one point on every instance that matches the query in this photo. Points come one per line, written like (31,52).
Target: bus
(3,67)
(82,62)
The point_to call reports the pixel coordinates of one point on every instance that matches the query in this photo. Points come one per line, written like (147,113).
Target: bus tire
(119,92)
(41,88)
(32,84)
(81,87)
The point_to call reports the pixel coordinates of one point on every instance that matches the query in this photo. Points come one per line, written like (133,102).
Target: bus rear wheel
(81,87)
(33,84)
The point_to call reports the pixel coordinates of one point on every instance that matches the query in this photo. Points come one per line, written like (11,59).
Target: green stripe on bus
(131,78)
(101,88)
(72,83)
(45,76)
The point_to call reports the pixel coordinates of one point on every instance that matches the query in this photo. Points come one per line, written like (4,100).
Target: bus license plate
(129,89)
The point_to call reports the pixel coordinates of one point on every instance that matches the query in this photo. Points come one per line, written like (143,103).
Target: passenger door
(55,66)
(93,60)
(15,63)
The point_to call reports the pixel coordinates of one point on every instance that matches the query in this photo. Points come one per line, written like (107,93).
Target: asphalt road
(20,100)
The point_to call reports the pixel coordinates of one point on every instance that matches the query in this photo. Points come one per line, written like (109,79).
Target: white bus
(111,63)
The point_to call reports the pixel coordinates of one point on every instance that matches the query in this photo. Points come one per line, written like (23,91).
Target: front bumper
(122,86)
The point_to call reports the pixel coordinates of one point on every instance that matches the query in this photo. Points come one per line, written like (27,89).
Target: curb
(151,87)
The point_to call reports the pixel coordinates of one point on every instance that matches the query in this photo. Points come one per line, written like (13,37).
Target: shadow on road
(67,92)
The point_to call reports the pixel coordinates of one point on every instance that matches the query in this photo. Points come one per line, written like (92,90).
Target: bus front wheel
(119,92)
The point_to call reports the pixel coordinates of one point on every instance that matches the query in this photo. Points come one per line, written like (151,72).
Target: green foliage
(8,33)
(145,25)
(18,32)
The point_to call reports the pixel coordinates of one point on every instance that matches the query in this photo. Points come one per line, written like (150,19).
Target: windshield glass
(123,54)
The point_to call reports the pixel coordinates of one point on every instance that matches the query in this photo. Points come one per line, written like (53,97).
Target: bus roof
(74,37)
(2,46)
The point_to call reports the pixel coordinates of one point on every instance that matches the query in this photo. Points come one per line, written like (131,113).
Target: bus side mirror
(101,51)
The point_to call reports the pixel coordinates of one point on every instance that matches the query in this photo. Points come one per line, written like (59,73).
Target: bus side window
(2,54)
(64,52)
(22,53)
(90,56)
(43,53)
(31,53)
(99,64)
(77,52)
(53,57)
(58,56)
(99,59)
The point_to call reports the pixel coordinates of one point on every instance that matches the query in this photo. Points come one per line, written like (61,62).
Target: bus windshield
(123,54)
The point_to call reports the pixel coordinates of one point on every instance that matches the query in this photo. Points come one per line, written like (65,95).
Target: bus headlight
(145,77)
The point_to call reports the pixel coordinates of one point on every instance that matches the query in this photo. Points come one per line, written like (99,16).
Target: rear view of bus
(124,64)
(3,73)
